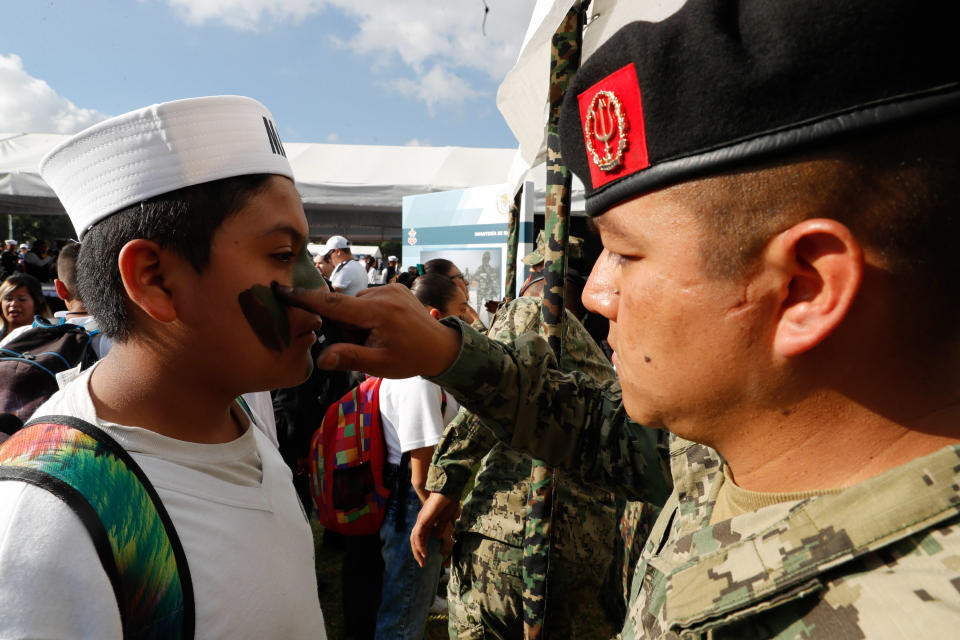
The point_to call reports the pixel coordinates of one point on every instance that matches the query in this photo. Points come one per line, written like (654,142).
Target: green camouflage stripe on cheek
(266,316)
(305,275)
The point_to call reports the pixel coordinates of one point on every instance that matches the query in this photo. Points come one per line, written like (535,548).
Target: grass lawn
(589,624)
(328,574)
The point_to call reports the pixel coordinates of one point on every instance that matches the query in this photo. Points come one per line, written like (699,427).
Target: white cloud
(30,105)
(434,40)
(248,15)
(438,86)
(333,138)
(417,142)
(421,31)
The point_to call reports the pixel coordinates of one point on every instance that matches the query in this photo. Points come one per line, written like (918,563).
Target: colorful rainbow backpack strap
(130,528)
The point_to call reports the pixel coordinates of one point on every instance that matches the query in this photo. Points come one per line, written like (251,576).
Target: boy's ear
(823,265)
(142,266)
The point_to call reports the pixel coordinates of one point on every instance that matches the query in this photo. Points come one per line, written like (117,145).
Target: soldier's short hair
(896,192)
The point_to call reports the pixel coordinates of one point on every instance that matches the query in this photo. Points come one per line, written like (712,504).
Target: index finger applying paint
(404,340)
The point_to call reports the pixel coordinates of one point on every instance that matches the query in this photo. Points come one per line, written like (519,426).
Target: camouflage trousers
(484,595)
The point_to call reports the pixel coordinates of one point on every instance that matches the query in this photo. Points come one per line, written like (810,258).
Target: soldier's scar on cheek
(266,316)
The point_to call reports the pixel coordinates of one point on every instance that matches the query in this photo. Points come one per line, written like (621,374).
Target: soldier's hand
(404,339)
(436,515)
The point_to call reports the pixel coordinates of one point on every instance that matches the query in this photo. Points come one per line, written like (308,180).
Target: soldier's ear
(822,266)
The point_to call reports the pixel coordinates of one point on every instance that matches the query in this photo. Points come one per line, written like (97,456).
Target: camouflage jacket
(497,505)
(881,559)
(585,519)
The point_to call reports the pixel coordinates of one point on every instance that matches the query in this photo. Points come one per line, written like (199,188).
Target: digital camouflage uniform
(880,559)
(485,588)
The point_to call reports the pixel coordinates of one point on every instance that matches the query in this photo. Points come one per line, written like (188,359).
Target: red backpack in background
(347,455)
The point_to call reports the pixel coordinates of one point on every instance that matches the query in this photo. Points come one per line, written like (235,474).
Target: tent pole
(513,239)
(564,62)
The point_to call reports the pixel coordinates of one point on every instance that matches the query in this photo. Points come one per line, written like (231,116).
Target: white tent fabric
(379,177)
(523,95)
(351,176)
(358,250)
(328,176)
(19,157)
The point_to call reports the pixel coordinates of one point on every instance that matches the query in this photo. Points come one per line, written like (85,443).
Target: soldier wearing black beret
(775,185)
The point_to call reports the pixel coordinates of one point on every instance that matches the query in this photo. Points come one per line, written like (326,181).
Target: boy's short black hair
(183,220)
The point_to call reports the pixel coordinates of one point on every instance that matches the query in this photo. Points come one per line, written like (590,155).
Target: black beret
(722,84)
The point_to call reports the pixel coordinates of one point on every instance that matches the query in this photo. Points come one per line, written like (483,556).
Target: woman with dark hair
(21,298)
(446,268)
(414,414)
(373,276)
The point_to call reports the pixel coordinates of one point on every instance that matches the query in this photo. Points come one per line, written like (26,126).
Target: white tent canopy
(523,96)
(358,250)
(352,190)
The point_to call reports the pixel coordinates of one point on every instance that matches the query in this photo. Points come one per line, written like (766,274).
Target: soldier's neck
(838,444)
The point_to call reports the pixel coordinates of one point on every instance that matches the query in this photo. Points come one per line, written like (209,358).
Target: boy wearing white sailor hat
(187,212)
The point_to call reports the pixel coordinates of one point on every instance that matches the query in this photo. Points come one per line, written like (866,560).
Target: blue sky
(389,72)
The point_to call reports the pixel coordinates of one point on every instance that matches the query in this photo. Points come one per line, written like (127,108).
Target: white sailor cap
(158,149)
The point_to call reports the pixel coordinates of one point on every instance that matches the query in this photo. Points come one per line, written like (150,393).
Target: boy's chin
(296,372)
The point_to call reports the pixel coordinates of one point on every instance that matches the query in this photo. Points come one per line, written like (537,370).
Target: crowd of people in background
(39,286)
(36,259)
(415,413)
(27,273)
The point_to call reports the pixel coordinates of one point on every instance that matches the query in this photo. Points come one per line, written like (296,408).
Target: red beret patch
(612,117)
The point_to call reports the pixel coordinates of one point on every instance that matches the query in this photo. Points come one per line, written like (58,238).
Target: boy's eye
(284,256)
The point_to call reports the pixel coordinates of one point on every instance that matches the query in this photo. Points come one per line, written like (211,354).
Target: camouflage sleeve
(566,419)
(462,446)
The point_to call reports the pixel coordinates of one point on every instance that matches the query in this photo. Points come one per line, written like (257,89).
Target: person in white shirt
(389,271)
(349,277)
(414,413)
(373,275)
(178,246)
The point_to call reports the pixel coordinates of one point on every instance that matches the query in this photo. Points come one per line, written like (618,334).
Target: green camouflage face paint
(305,275)
(266,313)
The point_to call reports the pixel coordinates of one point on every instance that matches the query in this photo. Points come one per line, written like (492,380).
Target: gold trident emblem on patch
(605,118)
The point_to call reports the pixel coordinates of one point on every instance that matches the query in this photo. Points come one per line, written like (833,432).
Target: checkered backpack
(347,455)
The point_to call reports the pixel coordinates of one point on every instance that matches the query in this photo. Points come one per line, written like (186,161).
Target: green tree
(53,229)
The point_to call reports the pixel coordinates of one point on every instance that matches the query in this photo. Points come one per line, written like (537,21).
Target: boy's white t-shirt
(248,545)
(410,411)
